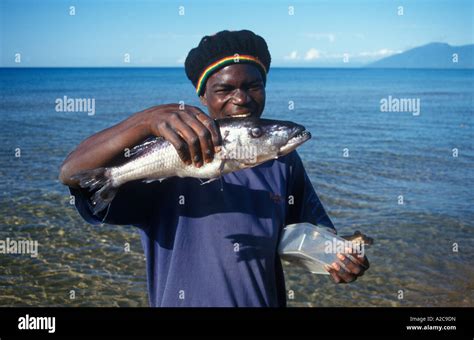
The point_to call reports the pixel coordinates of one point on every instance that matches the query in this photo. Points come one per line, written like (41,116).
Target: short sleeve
(132,205)
(306,206)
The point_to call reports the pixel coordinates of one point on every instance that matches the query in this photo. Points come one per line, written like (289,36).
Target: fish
(246,143)
(359,238)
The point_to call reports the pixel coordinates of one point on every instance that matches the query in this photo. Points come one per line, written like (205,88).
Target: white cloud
(312,54)
(292,56)
(380,53)
(331,37)
(340,56)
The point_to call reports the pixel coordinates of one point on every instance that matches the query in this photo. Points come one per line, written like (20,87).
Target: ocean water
(361,161)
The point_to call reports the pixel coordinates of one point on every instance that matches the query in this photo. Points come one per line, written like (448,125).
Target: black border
(312,323)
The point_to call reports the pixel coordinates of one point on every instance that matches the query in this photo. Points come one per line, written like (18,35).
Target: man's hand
(193,133)
(350,266)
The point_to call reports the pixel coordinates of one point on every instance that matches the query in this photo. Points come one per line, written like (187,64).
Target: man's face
(235,90)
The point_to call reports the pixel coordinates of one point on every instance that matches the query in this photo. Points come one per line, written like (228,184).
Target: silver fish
(246,142)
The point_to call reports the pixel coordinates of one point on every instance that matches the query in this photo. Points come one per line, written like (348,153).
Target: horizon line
(274,67)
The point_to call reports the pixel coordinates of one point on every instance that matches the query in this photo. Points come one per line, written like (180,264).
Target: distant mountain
(434,55)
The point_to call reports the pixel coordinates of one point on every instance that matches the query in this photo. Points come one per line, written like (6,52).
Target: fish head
(252,141)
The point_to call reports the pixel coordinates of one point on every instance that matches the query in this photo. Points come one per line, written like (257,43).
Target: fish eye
(256,132)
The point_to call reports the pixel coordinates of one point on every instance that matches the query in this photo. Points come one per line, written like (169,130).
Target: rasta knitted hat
(225,48)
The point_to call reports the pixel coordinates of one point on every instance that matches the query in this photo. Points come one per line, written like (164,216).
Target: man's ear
(203,99)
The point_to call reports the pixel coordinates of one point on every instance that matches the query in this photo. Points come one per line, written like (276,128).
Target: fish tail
(98,179)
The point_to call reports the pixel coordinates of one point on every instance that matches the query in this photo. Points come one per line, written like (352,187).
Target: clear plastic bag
(311,247)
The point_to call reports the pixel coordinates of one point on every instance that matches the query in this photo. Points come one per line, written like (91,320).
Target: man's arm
(191,131)
(308,208)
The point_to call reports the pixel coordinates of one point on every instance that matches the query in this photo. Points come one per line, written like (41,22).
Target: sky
(143,33)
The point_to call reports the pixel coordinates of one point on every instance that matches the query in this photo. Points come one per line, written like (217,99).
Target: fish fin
(153,180)
(91,179)
(97,178)
(221,169)
(106,213)
(103,197)
(208,181)
(139,149)
(221,166)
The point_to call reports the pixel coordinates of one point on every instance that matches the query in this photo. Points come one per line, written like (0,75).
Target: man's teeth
(242,115)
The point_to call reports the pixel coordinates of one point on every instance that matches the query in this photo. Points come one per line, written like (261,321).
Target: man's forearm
(101,148)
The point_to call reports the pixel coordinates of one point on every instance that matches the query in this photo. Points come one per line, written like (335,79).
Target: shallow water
(390,154)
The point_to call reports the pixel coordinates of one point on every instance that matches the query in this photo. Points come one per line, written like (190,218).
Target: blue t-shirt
(207,247)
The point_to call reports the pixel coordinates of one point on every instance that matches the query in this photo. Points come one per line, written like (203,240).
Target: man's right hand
(193,133)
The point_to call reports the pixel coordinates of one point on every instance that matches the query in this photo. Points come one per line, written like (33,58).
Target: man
(206,246)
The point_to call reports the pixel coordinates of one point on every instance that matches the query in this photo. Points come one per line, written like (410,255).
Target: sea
(391,155)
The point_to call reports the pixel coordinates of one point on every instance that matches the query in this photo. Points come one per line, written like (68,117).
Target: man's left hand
(353,266)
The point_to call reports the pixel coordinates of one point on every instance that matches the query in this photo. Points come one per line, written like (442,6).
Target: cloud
(312,54)
(292,56)
(380,53)
(331,37)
